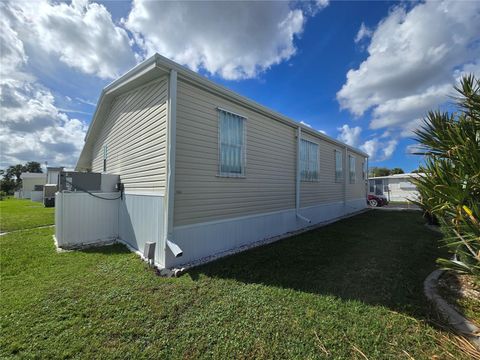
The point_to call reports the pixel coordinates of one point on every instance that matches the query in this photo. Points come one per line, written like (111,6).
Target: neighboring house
(32,186)
(205,170)
(394,187)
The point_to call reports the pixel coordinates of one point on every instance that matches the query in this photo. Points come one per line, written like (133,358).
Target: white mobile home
(398,187)
(205,170)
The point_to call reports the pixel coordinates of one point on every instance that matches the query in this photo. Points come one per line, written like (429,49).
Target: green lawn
(16,214)
(351,288)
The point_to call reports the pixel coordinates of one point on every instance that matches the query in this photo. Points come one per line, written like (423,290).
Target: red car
(376,201)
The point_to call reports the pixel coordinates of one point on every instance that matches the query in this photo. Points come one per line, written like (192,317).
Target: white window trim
(318,163)
(354,180)
(244,150)
(341,178)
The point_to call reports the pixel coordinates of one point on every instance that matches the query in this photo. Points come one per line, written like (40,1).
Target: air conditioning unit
(83,181)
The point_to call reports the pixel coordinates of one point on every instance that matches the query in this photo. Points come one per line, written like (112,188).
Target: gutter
(298,179)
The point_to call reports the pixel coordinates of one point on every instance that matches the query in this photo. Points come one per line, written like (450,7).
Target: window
(352,170)
(308,161)
(232,144)
(105,158)
(338,166)
(364,170)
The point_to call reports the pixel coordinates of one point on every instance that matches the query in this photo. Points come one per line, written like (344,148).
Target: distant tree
(33,167)
(395,171)
(15,171)
(379,171)
(8,185)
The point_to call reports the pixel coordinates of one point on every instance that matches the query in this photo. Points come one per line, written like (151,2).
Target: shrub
(450,189)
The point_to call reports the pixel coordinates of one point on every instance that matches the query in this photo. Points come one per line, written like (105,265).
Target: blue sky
(363,72)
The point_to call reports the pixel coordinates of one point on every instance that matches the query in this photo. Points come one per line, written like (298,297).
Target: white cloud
(350,135)
(389,148)
(414,53)
(31,127)
(363,33)
(414,58)
(379,150)
(81,34)
(371,148)
(234,40)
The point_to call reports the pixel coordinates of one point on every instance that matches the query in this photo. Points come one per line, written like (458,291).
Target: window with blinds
(231,144)
(308,161)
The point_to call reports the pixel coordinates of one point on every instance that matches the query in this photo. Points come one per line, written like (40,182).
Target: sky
(365,73)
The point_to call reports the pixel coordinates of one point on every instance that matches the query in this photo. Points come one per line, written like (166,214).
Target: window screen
(352,170)
(308,161)
(232,144)
(338,166)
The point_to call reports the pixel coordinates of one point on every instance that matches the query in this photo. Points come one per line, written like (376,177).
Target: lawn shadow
(378,257)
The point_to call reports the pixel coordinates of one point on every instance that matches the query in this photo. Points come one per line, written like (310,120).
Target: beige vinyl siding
(325,190)
(135,132)
(358,189)
(201,195)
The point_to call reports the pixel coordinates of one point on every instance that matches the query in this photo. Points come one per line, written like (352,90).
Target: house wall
(215,216)
(200,194)
(28,185)
(135,134)
(269,183)
(357,189)
(326,190)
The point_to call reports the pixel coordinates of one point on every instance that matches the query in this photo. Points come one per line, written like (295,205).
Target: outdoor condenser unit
(83,181)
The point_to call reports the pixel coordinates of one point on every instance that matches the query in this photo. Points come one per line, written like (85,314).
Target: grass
(352,289)
(16,214)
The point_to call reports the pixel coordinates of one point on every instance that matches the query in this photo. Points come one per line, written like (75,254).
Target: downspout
(170,181)
(298,178)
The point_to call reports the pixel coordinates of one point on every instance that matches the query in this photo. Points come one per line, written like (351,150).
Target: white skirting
(83,220)
(206,241)
(141,221)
